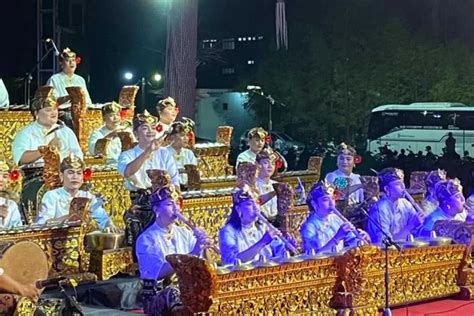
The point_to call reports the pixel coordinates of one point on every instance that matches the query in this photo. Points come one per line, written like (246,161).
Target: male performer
(256,141)
(266,160)
(55,203)
(430,201)
(324,230)
(112,125)
(167,112)
(179,139)
(395,215)
(67,78)
(451,205)
(148,154)
(345,166)
(160,239)
(45,130)
(9,213)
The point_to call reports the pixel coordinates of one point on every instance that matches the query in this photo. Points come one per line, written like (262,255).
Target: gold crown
(111,107)
(434,177)
(167,102)
(71,162)
(41,102)
(144,118)
(344,149)
(68,53)
(257,132)
(447,188)
(4,167)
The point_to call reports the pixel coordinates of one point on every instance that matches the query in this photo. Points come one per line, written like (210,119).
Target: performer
(9,214)
(55,203)
(256,141)
(9,289)
(179,139)
(345,166)
(325,230)
(243,236)
(167,112)
(395,214)
(266,167)
(160,239)
(45,130)
(148,154)
(67,78)
(112,125)
(4,101)
(430,202)
(451,205)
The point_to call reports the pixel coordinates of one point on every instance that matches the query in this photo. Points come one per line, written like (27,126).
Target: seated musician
(266,160)
(112,125)
(167,112)
(430,202)
(324,230)
(244,236)
(148,154)
(55,204)
(67,78)
(9,213)
(45,130)
(451,205)
(345,166)
(179,139)
(256,139)
(9,287)
(160,239)
(392,212)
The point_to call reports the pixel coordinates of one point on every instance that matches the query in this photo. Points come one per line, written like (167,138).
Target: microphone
(251,88)
(50,40)
(53,282)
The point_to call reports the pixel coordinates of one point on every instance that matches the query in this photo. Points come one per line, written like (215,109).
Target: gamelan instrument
(287,243)
(23,261)
(410,199)
(193,227)
(355,231)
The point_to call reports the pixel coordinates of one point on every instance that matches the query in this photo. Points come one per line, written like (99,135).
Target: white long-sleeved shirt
(61,81)
(13,218)
(186,157)
(4,100)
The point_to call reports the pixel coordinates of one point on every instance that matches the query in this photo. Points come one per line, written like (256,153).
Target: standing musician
(160,239)
(244,236)
(256,141)
(112,125)
(9,214)
(67,78)
(451,205)
(266,160)
(55,203)
(148,154)
(430,201)
(345,166)
(179,140)
(45,130)
(167,112)
(325,229)
(392,212)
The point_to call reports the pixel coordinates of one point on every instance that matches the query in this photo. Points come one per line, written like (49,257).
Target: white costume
(4,101)
(56,203)
(356,196)
(33,135)
(269,209)
(13,218)
(246,156)
(61,81)
(160,159)
(185,157)
(113,149)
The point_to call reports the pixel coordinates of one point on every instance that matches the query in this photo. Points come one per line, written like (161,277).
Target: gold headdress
(388,175)
(344,149)
(71,162)
(167,102)
(447,188)
(110,107)
(162,187)
(434,177)
(144,118)
(40,102)
(185,126)
(67,53)
(320,189)
(257,132)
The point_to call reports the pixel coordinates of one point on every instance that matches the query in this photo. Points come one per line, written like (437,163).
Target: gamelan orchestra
(102,191)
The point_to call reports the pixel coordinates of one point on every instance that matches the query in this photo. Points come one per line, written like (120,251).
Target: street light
(128,75)
(157,77)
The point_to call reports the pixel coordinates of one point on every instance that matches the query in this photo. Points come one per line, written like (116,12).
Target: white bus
(417,125)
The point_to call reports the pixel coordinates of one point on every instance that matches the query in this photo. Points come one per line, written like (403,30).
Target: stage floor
(90,310)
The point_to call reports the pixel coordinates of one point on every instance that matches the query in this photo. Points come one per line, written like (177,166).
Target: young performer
(45,130)
(112,125)
(67,78)
(395,214)
(160,239)
(430,202)
(179,139)
(9,214)
(256,141)
(55,203)
(266,167)
(10,289)
(148,154)
(325,230)
(244,236)
(167,112)
(345,166)
(451,205)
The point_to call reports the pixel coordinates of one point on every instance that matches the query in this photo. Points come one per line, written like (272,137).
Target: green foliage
(353,59)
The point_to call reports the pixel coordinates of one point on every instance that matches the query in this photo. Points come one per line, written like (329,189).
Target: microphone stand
(71,307)
(387,241)
(271,102)
(29,77)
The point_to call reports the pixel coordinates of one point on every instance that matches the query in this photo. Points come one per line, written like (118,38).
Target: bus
(418,125)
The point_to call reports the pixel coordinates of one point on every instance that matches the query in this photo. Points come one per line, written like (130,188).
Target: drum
(23,261)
